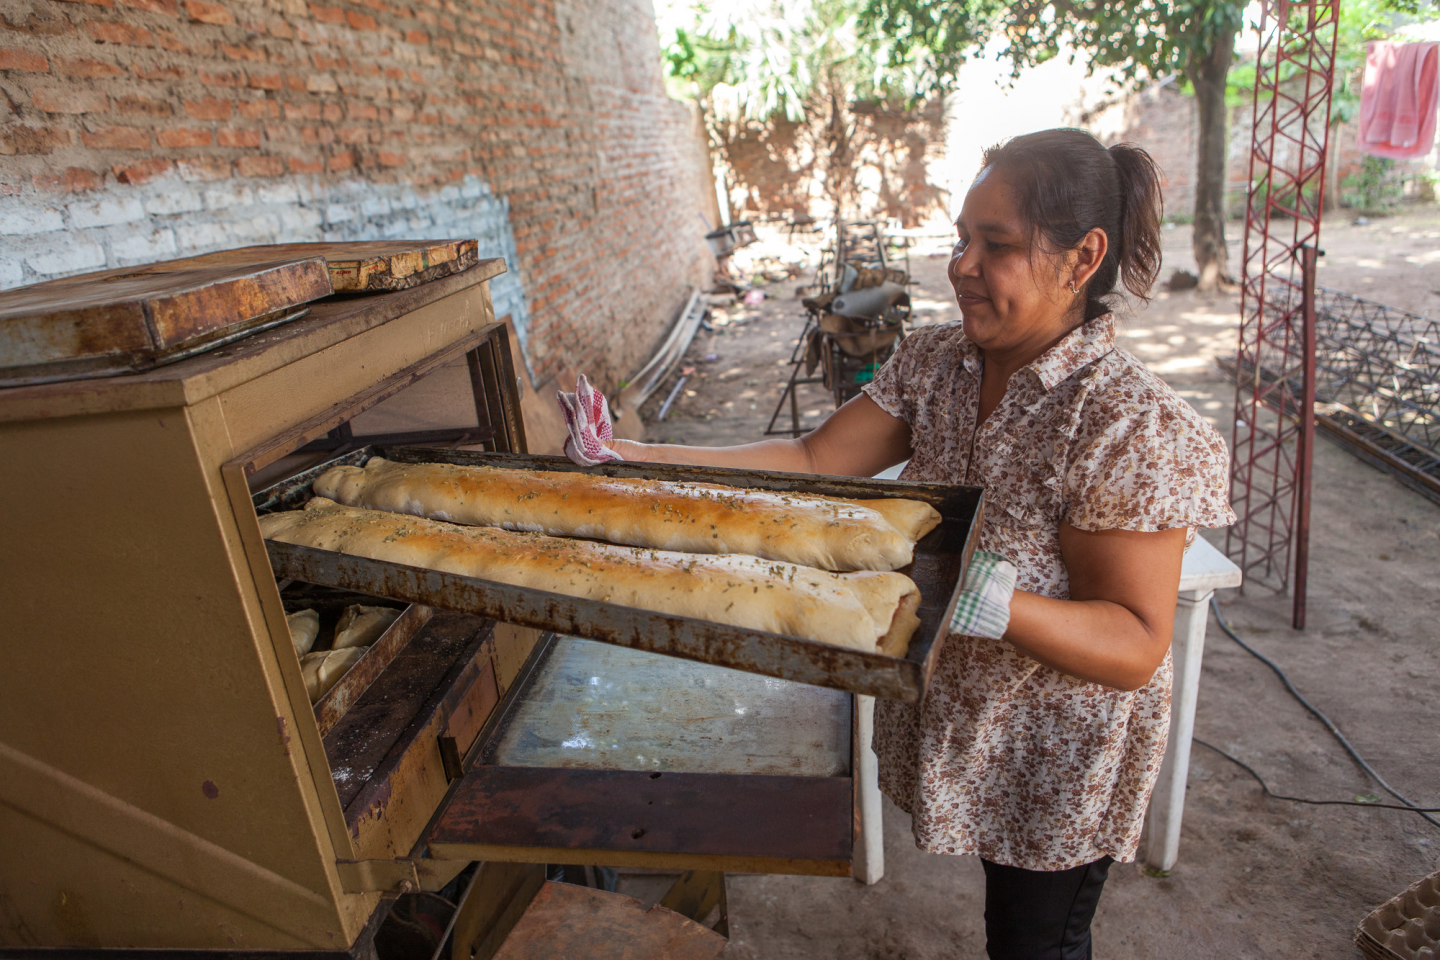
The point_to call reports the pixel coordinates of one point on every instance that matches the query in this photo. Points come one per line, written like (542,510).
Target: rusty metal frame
(731,822)
(352,686)
(1271,454)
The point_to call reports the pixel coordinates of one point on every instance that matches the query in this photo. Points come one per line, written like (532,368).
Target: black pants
(1039,915)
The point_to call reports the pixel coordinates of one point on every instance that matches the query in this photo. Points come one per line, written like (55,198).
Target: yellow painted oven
(165,781)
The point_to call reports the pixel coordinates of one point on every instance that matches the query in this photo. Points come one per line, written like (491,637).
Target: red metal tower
(1270,466)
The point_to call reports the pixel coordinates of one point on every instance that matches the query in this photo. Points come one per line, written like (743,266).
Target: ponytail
(1141,209)
(1068,184)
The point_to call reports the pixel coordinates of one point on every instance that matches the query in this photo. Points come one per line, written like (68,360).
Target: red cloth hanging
(1399,98)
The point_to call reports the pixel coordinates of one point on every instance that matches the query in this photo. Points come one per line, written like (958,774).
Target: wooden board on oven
(128,317)
(368,265)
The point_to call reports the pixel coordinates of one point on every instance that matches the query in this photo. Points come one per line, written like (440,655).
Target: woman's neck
(1005,362)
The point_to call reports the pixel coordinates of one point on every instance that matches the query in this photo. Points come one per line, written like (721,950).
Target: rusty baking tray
(334,705)
(938,569)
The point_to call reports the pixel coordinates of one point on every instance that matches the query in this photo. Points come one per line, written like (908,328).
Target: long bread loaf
(863,611)
(824,532)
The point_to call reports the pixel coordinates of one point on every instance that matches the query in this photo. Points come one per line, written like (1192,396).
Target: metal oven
(165,780)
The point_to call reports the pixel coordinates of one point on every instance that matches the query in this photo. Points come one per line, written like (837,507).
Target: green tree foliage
(1134,42)
(765,57)
(808,61)
(1138,41)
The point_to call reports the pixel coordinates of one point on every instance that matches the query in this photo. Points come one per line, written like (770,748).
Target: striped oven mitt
(984,606)
(587,416)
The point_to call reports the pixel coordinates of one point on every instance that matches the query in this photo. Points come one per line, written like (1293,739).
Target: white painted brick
(276,193)
(310,189)
(229,195)
(106,212)
(264,228)
(174,198)
(339,213)
(375,207)
(24,221)
(196,237)
(12,274)
(298,224)
(144,248)
(66,255)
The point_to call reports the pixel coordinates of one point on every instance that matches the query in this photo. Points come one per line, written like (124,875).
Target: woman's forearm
(858,440)
(789,456)
(1095,640)
(1116,628)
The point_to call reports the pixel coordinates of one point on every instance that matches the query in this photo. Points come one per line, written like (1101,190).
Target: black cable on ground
(1314,803)
(1334,730)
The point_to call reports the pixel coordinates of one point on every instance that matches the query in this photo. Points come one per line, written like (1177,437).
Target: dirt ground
(1257,877)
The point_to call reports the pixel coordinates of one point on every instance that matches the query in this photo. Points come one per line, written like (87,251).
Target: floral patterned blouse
(1006,758)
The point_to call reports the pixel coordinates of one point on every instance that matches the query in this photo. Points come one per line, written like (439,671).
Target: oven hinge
(391,877)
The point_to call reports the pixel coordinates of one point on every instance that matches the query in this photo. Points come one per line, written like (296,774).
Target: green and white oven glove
(984,606)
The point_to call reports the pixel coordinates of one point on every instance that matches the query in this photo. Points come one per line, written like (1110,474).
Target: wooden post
(1305,444)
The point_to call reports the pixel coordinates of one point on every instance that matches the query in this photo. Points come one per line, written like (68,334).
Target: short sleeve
(888,388)
(1158,466)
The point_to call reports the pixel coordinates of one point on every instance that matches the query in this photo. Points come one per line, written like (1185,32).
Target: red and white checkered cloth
(587,415)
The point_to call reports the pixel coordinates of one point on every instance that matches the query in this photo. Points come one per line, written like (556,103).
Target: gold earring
(1072,287)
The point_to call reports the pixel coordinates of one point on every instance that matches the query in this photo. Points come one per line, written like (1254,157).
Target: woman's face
(1013,297)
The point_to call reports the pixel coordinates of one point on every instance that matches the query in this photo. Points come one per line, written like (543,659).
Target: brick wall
(884,168)
(1165,123)
(138,130)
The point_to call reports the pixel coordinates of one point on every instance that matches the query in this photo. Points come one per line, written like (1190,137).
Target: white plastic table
(1204,571)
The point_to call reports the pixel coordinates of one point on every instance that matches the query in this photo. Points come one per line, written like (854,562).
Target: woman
(1038,745)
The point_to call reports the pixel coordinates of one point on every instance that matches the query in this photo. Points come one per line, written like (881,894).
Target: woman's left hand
(1115,628)
(983,609)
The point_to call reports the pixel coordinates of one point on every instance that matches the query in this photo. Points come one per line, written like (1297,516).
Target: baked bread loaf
(362,625)
(813,531)
(323,669)
(304,628)
(856,610)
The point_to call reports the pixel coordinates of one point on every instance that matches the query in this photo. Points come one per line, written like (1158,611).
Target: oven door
(611,756)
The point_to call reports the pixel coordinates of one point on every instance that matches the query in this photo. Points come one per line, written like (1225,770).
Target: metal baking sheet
(941,558)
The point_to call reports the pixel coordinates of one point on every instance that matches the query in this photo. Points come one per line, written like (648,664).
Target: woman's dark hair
(1068,184)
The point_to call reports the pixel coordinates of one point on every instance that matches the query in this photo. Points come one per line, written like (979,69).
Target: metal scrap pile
(856,323)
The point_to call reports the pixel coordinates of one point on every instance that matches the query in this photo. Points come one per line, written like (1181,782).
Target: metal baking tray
(941,559)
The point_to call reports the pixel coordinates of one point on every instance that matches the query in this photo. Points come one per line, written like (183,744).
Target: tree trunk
(1206,72)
